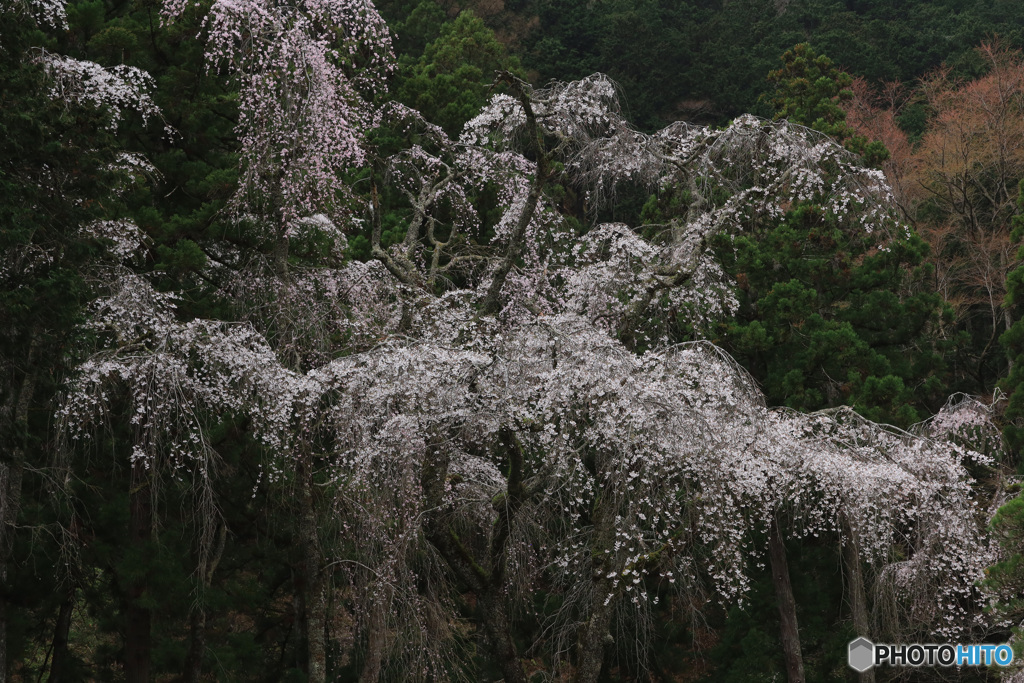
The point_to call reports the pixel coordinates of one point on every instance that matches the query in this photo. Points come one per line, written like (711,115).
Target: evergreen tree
(810,89)
(829,312)
(450,81)
(64,222)
(1006,577)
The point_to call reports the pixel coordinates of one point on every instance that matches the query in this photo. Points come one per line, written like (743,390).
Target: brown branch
(517,241)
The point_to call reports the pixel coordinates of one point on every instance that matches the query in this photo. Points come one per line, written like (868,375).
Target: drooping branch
(517,240)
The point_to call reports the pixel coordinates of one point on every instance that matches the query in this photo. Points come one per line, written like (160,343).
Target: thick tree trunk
(138,638)
(858,596)
(498,630)
(197,620)
(280,256)
(376,642)
(595,636)
(61,658)
(488,584)
(314,600)
(789,631)
(493,598)
(196,646)
(10,506)
(12,468)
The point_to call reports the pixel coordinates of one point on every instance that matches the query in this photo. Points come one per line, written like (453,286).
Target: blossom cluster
(542,440)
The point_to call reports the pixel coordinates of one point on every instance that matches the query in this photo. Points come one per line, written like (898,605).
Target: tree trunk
(376,641)
(314,602)
(858,596)
(196,645)
(498,630)
(595,636)
(789,631)
(12,468)
(488,584)
(517,240)
(61,661)
(138,638)
(10,506)
(197,619)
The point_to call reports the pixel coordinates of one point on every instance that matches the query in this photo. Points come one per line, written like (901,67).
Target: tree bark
(10,506)
(196,645)
(517,241)
(858,596)
(138,636)
(197,619)
(59,666)
(487,579)
(498,630)
(789,631)
(314,599)
(376,642)
(12,468)
(595,636)
(493,601)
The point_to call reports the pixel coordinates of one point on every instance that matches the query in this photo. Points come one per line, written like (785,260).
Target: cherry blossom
(301,109)
(113,89)
(49,12)
(479,410)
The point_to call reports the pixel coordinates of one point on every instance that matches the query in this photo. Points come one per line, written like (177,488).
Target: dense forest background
(99,554)
(707,61)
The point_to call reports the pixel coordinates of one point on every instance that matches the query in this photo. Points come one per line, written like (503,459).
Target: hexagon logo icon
(862,654)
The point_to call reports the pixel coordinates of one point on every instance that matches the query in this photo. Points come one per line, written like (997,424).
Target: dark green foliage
(651,48)
(51,170)
(825,319)
(810,90)
(417,28)
(55,178)
(748,649)
(826,316)
(706,60)
(1006,577)
(450,81)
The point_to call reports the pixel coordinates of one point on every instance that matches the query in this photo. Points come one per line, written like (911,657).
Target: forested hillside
(706,61)
(539,341)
